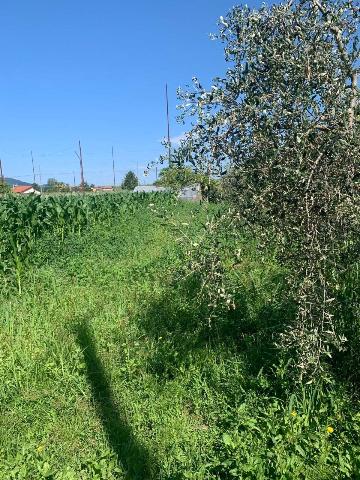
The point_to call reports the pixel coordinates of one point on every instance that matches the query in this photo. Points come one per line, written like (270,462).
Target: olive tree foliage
(177,178)
(283,127)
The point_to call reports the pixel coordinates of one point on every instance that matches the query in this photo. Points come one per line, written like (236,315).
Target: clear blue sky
(96,70)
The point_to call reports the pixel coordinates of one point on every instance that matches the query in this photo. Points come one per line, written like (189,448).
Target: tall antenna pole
(2,179)
(33,168)
(168,124)
(81,167)
(79,155)
(113,165)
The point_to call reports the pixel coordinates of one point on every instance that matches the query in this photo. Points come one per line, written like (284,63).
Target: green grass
(110,371)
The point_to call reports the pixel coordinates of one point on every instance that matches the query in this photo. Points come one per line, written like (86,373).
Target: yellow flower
(293,413)
(330,429)
(40,448)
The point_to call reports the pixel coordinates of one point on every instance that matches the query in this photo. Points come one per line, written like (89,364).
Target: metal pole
(81,167)
(2,179)
(33,168)
(168,124)
(113,165)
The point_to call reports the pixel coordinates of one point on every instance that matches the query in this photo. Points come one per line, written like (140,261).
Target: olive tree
(177,177)
(283,126)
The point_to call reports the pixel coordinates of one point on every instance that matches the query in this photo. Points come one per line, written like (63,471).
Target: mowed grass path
(109,370)
(76,400)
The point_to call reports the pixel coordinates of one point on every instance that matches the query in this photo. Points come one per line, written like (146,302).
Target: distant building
(103,189)
(149,189)
(190,193)
(25,189)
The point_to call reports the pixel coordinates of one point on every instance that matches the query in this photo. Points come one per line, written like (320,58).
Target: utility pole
(113,165)
(40,179)
(79,155)
(33,168)
(168,123)
(81,167)
(2,178)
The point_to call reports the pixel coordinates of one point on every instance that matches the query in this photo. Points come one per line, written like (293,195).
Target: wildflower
(293,413)
(40,448)
(330,429)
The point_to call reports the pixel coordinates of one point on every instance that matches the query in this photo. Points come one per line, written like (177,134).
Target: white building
(25,189)
(149,189)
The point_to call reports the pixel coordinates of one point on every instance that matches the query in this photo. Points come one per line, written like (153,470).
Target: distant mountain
(14,181)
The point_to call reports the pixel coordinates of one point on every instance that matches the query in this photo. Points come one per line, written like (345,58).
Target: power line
(95,172)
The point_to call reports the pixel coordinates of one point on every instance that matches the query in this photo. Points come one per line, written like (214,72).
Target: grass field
(110,371)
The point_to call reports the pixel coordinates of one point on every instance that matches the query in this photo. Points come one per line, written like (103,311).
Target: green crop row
(24,219)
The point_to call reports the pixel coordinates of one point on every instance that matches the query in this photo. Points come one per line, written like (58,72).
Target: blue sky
(96,71)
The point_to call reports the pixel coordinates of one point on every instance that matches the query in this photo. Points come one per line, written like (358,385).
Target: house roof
(22,188)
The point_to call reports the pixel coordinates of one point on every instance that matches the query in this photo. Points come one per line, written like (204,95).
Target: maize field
(24,219)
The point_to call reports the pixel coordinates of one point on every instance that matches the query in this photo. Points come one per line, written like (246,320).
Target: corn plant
(23,220)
